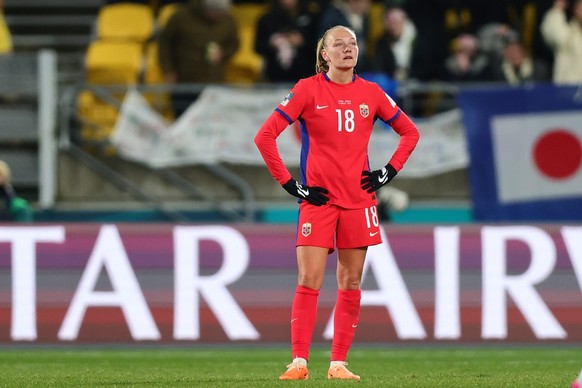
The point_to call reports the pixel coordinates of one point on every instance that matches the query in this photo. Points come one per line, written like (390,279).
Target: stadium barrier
(187,283)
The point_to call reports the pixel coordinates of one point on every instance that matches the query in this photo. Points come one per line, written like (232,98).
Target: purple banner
(221,283)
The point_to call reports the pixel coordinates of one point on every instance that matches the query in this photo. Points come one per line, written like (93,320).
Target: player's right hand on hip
(373,180)
(314,195)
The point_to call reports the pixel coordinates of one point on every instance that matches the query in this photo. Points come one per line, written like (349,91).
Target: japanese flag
(538,156)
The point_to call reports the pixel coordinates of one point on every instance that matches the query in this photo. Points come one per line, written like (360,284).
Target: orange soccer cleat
(295,371)
(338,370)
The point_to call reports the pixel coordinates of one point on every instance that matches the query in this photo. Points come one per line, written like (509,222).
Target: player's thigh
(317,225)
(350,265)
(311,263)
(358,228)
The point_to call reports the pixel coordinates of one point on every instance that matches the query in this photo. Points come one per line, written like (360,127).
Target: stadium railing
(28,110)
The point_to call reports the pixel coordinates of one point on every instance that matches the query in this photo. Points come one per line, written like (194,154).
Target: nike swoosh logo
(303,192)
(294,319)
(354,326)
(382,178)
(321,106)
(373,234)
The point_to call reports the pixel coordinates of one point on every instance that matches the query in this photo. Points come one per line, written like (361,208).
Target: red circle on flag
(558,154)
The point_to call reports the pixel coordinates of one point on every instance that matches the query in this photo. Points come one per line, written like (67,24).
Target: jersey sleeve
(392,115)
(294,103)
(387,108)
(266,138)
(409,137)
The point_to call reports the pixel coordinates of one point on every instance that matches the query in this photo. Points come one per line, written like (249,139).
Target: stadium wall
(225,283)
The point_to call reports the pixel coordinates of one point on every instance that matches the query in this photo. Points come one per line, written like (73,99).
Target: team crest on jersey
(306,229)
(364,110)
(287,99)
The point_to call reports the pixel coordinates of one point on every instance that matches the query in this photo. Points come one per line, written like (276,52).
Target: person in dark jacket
(196,45)
(518,67)
(285,40)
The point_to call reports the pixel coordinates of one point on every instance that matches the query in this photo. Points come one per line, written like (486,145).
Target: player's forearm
(266,142)
(409,137)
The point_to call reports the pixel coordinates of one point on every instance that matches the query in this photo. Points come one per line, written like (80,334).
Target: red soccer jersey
(336,124)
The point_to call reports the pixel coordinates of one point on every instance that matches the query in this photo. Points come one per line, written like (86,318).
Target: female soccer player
(337,110)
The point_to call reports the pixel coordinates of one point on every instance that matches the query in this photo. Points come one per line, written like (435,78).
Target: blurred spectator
(195,46)
(354,14)
(393,51)
(517,67)
(5,36)
(493,38)
(466,63)
(285,39)
(565,39)
(12,207)
(496,22)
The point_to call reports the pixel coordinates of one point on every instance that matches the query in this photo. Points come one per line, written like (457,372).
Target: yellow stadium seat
(246,65)
(97,117)
(113,62)
(121,21)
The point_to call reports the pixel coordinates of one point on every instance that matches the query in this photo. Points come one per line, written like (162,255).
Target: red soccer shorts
(351,228)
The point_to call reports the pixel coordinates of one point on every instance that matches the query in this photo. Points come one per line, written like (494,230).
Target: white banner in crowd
(221,125)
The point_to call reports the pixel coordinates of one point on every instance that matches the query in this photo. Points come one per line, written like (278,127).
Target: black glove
(314,195)
(373,180)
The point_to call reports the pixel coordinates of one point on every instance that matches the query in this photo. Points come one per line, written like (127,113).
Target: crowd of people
(512,41)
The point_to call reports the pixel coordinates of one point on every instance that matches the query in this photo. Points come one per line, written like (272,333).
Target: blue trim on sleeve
(284,116)
(394,117)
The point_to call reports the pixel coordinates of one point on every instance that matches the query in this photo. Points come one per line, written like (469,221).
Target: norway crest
(364,110)
(306,229)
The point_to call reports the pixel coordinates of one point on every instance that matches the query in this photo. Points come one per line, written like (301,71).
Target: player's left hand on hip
(373,180)
(315,195)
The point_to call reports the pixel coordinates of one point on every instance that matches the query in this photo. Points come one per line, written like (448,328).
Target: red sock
(303,315)
(345,321)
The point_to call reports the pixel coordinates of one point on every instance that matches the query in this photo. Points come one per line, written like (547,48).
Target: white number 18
(346,122)
(371,216)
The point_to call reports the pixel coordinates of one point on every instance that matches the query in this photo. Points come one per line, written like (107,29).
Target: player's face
(341,49)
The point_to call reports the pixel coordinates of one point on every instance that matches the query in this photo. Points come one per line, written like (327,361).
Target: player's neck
(340,76)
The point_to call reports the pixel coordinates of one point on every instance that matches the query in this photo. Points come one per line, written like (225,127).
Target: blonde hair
(321,64)
(5,171)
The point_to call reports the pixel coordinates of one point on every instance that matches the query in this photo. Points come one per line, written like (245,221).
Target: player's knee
(310,281)
(348,283)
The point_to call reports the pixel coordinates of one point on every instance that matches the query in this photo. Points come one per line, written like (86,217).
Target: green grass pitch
(249,367)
